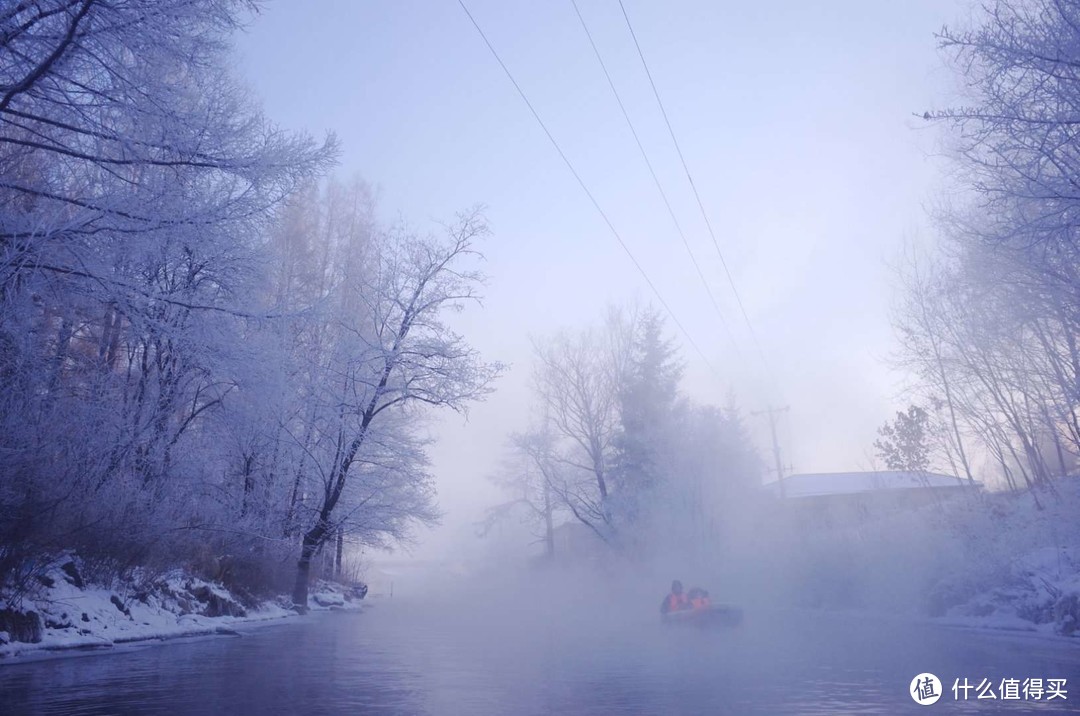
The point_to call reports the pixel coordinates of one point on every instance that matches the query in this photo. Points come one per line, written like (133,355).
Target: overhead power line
(585,188)
(655,178)
(693,186)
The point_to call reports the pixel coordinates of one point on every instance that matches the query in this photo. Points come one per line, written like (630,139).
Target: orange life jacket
(699,602)
(677,601)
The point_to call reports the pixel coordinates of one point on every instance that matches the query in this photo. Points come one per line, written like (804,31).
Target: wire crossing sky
(585,188)
(796,116)
(656,181)
(704,215)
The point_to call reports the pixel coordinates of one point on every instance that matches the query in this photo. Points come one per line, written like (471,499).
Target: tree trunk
(249,481)
(340,552)
(945,384)
(549,527)
(313,539)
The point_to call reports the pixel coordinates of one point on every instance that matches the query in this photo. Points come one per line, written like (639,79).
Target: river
(415,657)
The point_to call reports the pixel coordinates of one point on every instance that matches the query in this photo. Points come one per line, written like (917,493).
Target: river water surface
(401,657)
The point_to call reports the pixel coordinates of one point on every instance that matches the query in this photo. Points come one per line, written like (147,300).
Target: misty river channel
(487,657)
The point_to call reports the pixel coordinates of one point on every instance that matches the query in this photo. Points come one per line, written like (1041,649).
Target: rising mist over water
(448,337)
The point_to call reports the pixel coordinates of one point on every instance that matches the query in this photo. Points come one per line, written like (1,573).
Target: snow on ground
(1023,566)
(1040,591)
(1002,560)
(72,614)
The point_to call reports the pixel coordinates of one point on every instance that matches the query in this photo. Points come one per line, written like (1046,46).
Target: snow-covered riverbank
(1019,562)
(1001,560)
(63,612)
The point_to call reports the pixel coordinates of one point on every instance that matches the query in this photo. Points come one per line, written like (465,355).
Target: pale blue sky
(795,119)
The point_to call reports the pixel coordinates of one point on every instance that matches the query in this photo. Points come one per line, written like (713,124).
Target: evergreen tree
(649,402)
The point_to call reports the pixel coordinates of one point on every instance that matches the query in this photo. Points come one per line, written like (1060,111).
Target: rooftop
(842,483)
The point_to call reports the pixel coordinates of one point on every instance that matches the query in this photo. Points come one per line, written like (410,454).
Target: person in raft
(677,600)
(699,598)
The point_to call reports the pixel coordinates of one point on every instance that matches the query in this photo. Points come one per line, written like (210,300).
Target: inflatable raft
(714,615)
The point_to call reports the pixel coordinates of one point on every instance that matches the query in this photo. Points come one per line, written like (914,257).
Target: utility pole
(772,413)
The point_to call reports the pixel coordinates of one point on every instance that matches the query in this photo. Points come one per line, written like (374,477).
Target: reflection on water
(402,658)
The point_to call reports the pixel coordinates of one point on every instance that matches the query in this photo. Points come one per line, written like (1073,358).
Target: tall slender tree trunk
(549,527)
(313,539)
(339,553)
(947,387)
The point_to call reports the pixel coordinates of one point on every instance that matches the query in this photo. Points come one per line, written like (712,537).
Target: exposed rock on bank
(64,610)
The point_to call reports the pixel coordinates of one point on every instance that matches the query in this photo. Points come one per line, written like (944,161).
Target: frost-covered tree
(624,452)
(576,382)
(710,479)
(391,354)
(136,182)
(989,325)
(528,475)
(190,367)
(648,404)
(903,444)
